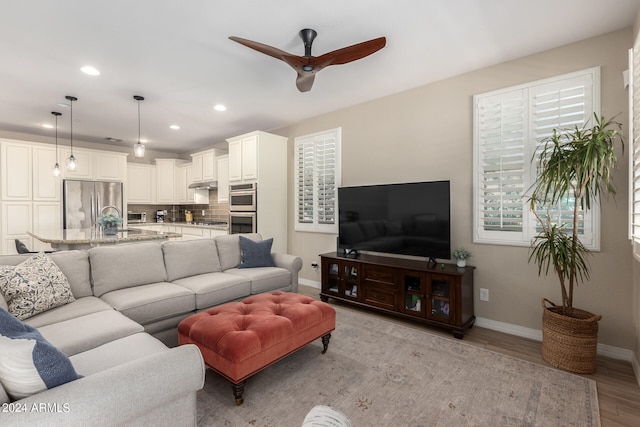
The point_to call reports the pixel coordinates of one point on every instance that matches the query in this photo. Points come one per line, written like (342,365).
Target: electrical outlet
(314,265)
(484,294)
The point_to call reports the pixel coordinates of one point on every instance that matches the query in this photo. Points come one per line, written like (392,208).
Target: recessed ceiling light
(88,69)
(174,127)
(46,125)
(220,107)
(112,139)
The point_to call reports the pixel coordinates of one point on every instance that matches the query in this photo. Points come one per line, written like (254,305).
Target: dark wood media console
(437,294)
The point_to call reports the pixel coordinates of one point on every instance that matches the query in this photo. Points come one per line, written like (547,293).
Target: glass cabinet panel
(440,297)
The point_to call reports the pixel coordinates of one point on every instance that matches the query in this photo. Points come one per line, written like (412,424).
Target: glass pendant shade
(138,148)
(56,168)
(72,163)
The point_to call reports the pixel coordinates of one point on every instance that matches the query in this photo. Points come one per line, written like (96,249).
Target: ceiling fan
(308,65)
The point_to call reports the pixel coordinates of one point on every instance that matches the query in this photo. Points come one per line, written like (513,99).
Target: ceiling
(178,56)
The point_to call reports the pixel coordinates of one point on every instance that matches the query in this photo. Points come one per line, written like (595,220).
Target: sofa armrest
(290,262)
(135,393)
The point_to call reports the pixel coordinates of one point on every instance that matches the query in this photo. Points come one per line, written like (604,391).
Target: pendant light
(72,163)
(56,167)
(138,148)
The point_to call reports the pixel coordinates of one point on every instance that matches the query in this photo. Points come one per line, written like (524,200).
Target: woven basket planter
(569,341)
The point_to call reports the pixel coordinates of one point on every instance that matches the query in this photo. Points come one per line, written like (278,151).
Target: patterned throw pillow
(34,286)
(29,364)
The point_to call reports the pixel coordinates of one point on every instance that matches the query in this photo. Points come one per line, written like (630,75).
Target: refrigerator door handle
(93,210)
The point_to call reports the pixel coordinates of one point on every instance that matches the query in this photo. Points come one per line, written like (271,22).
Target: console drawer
(378,276)
(380,296)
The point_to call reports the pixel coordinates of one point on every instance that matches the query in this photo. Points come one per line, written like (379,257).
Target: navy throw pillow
(30,364)
(256,254)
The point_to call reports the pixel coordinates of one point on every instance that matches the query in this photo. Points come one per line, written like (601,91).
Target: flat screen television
(406,219)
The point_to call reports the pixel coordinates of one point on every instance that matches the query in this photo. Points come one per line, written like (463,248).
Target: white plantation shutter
(634,94)
(317,177)
(510,126)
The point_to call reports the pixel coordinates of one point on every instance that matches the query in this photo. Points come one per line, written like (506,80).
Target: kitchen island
(84,238)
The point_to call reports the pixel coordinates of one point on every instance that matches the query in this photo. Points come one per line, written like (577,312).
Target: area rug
(382,373)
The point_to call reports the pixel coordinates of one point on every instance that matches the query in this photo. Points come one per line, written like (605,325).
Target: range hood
(206,185)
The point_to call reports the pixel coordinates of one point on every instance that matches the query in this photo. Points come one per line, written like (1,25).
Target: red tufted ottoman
(239,339)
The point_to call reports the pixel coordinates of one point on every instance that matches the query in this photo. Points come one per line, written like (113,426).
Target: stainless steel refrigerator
(85,201)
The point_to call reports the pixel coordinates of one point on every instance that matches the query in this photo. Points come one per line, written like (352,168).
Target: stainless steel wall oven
(242,208)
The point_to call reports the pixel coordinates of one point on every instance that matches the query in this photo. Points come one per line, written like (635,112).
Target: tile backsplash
(214,211)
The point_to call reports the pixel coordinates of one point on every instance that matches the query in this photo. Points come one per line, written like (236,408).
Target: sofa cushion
(215,288)
(124,266)
(83,333)
(115,353)
(29,364)
(34,286)
(265,279)
(229,249)
(255,254)
(80,307)
(75,266)
(152,302)
(184,258)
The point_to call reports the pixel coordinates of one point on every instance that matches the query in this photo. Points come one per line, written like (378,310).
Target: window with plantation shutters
(510,128)
(317,177)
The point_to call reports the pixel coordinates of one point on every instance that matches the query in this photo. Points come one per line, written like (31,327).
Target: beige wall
(426,134)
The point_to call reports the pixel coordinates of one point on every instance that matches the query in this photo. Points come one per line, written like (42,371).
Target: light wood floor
(618,389)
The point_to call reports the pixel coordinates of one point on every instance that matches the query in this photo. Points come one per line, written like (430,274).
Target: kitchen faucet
(110,207)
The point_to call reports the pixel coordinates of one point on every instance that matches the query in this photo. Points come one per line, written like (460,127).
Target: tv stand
(435,294)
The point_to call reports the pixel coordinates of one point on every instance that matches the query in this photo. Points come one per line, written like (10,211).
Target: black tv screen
(408,219)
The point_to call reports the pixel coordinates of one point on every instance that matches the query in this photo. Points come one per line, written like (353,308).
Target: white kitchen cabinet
(262,157)
(16,222)
(211,233)
(190,233)
(182,183)
(47,220)
(141,183)
(110,166)
(46,187)
(205,165)
(94,164)
(223,178)
(243,158)
(16,175)
(84,161)
(166,180)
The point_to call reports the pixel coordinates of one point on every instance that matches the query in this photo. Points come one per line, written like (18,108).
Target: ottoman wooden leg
(238,390)
(325,342)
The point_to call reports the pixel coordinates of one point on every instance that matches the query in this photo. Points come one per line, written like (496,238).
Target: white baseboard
(534,334)
(311,283)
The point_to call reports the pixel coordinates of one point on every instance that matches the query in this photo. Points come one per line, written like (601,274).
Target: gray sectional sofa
(120,332)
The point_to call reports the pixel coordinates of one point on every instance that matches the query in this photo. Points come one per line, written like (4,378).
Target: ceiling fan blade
(263,48)
(350,53)
(305,81)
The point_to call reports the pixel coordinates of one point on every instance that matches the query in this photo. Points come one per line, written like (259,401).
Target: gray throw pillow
(256,254)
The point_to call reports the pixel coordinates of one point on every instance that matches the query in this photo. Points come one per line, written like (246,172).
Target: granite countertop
(96,236)
(182,224)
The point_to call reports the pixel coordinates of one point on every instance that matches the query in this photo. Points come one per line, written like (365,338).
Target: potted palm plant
(579,164)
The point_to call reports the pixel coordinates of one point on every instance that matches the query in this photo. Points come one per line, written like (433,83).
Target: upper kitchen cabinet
(223,178)
(204,165)
(141,183)
(166,171)
(253,156)
(15,159)
(95,164)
